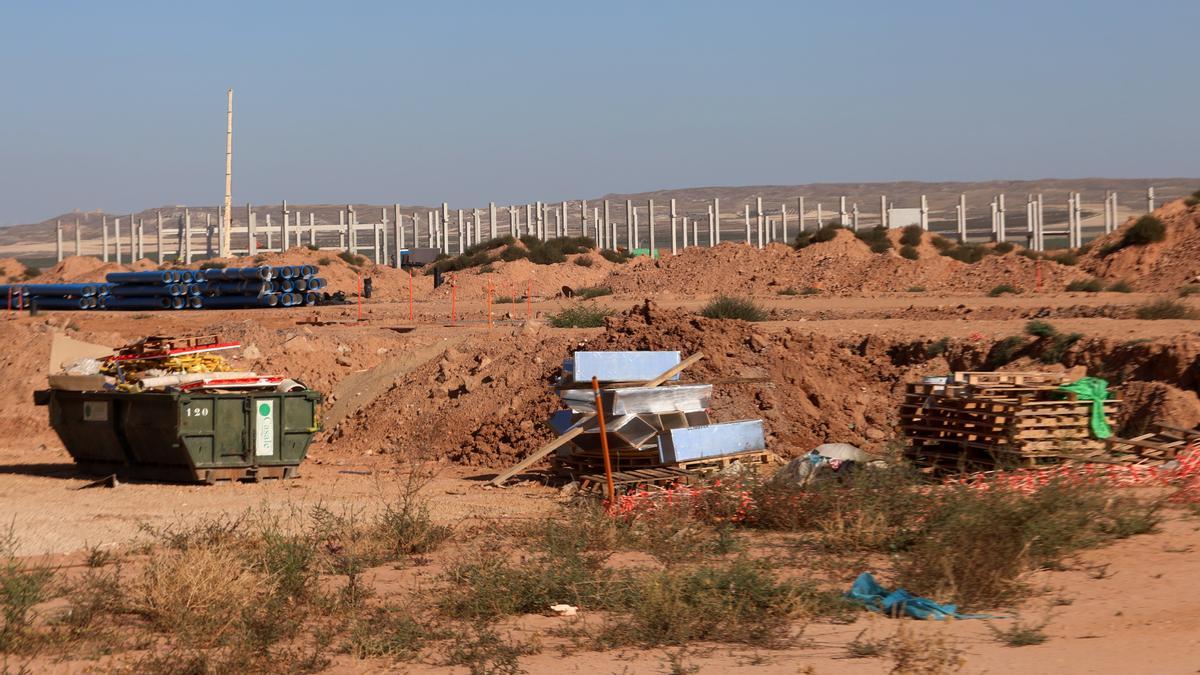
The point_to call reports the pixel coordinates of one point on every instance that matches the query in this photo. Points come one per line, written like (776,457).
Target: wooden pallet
(1015,378)
(634,478)
(574,465)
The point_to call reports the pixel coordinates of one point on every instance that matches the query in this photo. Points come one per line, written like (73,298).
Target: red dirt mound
(841,266)
(1160,266)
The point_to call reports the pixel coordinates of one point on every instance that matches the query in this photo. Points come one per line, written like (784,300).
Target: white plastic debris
(564,610)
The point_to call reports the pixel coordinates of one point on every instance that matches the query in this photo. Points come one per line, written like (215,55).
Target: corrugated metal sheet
(622,366)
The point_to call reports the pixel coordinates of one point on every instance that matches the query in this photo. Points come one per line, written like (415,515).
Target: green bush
(823,234)
(30,272)
(325,261)
(937,347)
(1120,286)
(1003,352)
(941,243)
(792,290)
(352,259)
(1147,230)
(580,315)
(1057,346)
(1165,309)
(1193,199)
(1188,290)
(911,236)
(1003,248)
(967,253)
(513,253)
(583,261)
(1040,329)
(733,307)
(618,257)
(916,289)
(1086,286)
(909,252)
(1003,289)
(876,238)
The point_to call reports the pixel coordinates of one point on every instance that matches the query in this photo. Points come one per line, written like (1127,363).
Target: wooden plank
(543,451)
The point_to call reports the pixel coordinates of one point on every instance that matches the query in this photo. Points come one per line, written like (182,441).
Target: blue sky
(120,105)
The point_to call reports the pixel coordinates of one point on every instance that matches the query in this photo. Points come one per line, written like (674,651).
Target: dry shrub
(918,655)
(22,586)
(197,594)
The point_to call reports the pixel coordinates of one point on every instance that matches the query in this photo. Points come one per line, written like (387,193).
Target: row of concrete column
(453,233)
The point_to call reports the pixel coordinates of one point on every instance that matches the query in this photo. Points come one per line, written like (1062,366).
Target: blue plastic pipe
(162,276)
(147,289)
(136,302)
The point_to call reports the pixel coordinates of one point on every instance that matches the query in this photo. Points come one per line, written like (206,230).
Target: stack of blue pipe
(232,287)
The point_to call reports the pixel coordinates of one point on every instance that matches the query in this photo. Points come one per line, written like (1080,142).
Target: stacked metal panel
(645,426)
(232,287)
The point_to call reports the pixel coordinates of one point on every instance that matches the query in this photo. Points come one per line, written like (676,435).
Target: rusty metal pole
(604,441)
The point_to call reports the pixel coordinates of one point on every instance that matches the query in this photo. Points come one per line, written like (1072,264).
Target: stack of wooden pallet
(1162,444)
(984,420)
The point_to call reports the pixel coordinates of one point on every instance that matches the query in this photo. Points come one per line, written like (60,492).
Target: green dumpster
(185,437)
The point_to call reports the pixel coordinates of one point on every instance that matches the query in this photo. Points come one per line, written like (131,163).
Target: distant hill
(35,239)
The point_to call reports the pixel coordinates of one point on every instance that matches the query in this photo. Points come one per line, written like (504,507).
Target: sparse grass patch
(386,632)
(1085,286)
(921,655)
(487,269)
(352,259)
(483,651)
(1188,290)
(1193,199)
(967,253)
(1068,258)
(733,307)
(858,648)
(589,292)
(30,272)
(580,315)
(1003,247)
(1119,286)
(212,265)
(22,586)
(1056,347)
(1165,308)
(909,252)
(790,290)
(584,261)
(1003,289)
(324,261)
(915,289)
(1020,634)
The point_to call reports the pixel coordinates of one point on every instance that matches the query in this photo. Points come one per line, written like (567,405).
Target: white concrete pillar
(637,229)
(854,215)
(187,236)
(650,225)
(762,219)
(566,229)
(58,247)
(749,240)
(1029,222)
(883,214)
(783,217)
(1001,231)
(630,239)
(1149,199)
(78,239)
(596,226)
(463,228)
(492,219)
(141,240)
(513,225)
(583,218)
(270,234)
(820,216)
(158,236)
(962,217)
(696,232)
(1115,210)
(104,238)
(800,213)
(716,230)
(674,236)
(606,235)
(924,213)
(1041,223)
(117,238)
(842,211)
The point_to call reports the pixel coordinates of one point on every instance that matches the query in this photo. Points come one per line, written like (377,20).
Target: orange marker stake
(612,492)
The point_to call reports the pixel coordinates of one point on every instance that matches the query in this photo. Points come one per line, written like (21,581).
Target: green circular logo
(264,409)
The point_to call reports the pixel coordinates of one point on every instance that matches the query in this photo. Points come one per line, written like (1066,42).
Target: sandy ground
(1139,617)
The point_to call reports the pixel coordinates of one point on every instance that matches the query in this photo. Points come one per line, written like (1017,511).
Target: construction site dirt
(460,378)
